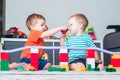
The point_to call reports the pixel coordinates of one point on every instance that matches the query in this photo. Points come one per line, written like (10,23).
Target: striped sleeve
(90,42)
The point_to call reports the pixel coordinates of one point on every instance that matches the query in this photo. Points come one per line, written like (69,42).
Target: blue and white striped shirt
(83,40)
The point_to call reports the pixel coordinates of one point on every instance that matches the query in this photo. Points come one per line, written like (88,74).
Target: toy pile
(14,32)
(89,30)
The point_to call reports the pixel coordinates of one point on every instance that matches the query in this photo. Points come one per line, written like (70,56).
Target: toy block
(110,70)
(20,68)
(115,56)
(42,58)
(4,55)
(52,69)
(115,62)
(65,66)
(89,67)
(63,57)
(110,66)
(91,61)
(117,68)
(90,54)
(63,50)
(30,68)
(97,69)
(89,25)
(90,58)
(34,58)
(4,65)
(80,69)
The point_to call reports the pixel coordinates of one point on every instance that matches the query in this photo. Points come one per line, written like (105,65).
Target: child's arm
(52,31)
(45,56)
(97,58)
(62,38)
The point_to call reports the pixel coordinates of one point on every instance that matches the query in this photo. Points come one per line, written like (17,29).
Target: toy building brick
(90,58)
(34,58)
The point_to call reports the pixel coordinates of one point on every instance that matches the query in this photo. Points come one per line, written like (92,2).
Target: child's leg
(43,64)
(15,65)
(47,66)
(100,66)
(73,66)
(81,62)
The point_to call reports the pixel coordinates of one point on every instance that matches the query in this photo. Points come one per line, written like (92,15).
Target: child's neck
(79,33)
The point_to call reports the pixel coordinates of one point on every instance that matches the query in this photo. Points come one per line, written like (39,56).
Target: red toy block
(34,60)
(115,62)
(63,57)
(4,56)
(90,54)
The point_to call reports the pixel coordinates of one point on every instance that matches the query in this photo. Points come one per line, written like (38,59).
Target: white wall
(100,13)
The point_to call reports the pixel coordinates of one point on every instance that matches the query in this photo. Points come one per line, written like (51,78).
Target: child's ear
(81,25)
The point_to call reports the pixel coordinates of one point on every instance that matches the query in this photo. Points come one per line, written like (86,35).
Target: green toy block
(89,67)
(97,69)
(4,65)
(42,58)
(110,70)
(51,69)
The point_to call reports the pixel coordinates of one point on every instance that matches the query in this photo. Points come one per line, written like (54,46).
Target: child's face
(40,25)
(74,26)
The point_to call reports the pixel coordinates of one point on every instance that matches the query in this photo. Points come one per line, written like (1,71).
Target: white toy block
(91,61)
(33,50)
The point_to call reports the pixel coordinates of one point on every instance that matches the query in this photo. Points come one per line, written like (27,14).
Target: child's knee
(47,66)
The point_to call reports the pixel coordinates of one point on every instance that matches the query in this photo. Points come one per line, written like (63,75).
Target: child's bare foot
(13,66)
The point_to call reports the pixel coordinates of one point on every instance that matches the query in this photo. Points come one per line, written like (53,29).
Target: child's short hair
(81,18)
(32,17)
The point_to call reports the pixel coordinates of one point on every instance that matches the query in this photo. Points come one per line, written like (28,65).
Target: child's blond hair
(81,18)
(31,19)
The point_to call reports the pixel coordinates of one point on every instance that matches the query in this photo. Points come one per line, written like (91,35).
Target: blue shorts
(81,60)
(41,63)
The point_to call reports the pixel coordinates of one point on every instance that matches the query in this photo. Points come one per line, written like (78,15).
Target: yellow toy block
(116,56)
(89,25)
(117,68)
(110,66)
(80,69)
(65,66)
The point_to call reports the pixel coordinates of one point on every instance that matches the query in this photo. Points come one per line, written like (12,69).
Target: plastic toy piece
(64,31)
(92,69)
(110,70)
(4,65)
(115,62)
(20,68)
(65,66)
(90,58)
(14,32)
(91,31)
(80,69)
(34,58)
(4,56)
(63,56)
(30,68)
(52,69)
(115,56)
(42,58)
(63,59)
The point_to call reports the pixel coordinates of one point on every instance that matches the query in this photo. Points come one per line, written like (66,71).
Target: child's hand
(64,31)
(98,61)
(45,56)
